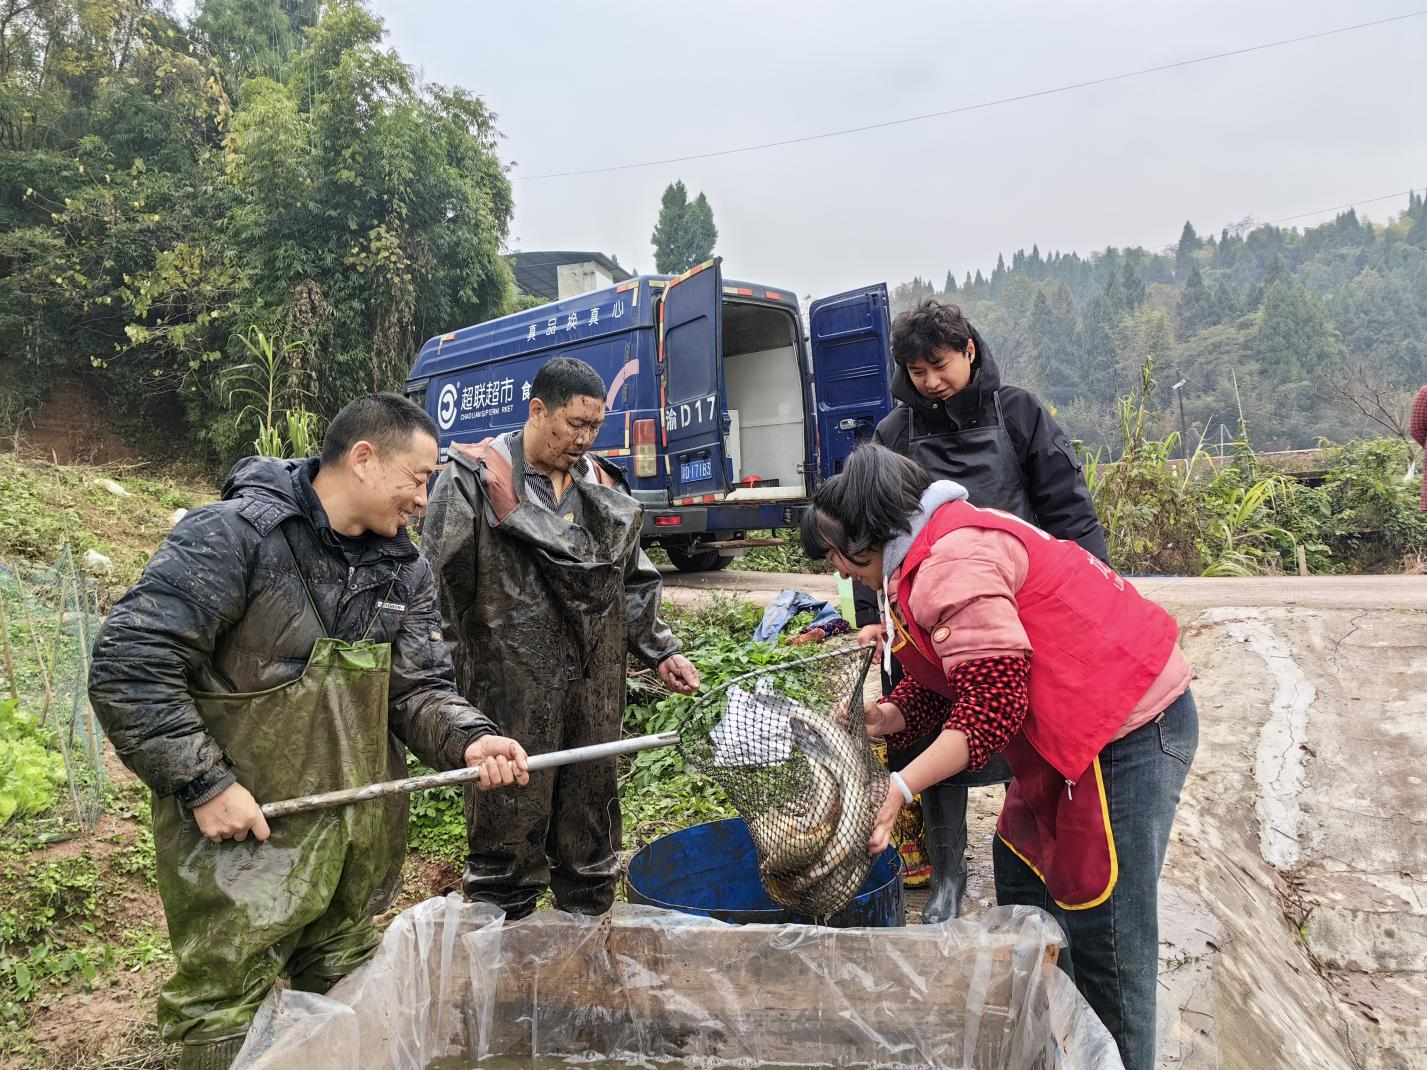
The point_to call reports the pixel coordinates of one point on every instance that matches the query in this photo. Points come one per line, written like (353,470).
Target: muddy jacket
(1049,467)
(495,577)
(221,608)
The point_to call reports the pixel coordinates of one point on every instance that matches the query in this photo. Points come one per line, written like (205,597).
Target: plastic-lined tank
(453,986)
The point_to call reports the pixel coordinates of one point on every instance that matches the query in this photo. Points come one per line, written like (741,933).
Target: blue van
(723,414)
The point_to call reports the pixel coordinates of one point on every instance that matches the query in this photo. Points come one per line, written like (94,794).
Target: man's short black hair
(387,421)
(565,378)
(932,325)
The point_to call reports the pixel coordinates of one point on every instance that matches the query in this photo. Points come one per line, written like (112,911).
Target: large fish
(807,846)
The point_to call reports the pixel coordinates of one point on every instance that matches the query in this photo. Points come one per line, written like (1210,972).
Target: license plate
(695,471)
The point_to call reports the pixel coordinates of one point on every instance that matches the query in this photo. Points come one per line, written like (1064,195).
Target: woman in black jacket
(957,420)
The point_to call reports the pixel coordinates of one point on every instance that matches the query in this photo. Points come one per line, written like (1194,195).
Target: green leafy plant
(30,771)
(786,558)
(270,397)
(436,826)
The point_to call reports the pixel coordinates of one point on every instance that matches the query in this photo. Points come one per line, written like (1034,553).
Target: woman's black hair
(871,501)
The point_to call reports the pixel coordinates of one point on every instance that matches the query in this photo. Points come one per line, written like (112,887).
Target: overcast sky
(1270,134)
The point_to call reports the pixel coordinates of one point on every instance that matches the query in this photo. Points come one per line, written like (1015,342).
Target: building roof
(536,272)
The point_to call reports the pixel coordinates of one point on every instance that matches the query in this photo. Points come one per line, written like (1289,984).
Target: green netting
(51,748)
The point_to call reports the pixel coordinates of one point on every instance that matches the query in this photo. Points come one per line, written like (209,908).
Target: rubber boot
(944,819)
(217,1055)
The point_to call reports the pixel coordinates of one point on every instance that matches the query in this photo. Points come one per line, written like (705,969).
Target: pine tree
(684,234)
(1418,234)
(1189,244)
(950,283)
(1054,327)
(1225,304)
(1134,287)
(699,231)
(1294,342)
(1196,306)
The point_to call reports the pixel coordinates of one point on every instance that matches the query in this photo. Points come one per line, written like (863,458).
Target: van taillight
(646,459)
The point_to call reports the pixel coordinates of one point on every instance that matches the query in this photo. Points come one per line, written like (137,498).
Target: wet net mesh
(788,745)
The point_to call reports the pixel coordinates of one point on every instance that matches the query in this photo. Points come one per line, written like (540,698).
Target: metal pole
(346,796)
(1183,433)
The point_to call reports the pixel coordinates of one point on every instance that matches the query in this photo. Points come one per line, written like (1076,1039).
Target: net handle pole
(386,789)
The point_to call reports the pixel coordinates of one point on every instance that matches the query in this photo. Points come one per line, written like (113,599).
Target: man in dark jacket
(285,641)
(958,421)
(535,544)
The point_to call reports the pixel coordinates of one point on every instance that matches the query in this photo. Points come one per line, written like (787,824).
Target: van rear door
(691,384)
(850,335)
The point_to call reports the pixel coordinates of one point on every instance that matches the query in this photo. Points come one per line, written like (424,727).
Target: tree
(254,38)
(1295,344)
(1366,391)
(1196,306)
(950,287)
(684,234)
(1417,235)
(1054,327)
(340,208)
(1133,285)
(1189,244)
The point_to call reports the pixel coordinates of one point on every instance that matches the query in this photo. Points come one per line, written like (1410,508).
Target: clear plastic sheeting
(452,985)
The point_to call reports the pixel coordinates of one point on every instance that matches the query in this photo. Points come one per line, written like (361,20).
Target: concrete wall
(576,279)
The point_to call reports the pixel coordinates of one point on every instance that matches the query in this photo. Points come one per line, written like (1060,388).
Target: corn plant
(271,398)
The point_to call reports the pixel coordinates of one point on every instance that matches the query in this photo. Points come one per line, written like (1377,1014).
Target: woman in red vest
(1016,642)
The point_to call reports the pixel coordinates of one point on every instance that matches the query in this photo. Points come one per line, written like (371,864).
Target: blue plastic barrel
(712,870)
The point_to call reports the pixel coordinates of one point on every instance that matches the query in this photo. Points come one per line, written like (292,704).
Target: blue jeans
(1113,956)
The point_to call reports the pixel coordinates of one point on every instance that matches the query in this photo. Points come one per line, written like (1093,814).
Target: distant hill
(1324,329)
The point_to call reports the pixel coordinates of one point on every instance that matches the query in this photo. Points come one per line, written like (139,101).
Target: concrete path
(1312,592)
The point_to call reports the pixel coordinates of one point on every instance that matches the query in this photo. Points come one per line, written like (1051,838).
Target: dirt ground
(1293,913)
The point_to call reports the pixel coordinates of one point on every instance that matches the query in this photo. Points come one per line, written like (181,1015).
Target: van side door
(850,336)
(692,383)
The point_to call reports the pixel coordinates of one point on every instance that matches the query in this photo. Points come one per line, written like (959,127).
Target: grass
(48,506)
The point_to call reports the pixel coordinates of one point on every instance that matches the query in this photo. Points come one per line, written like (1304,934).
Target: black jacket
(1049,467)
(221,608)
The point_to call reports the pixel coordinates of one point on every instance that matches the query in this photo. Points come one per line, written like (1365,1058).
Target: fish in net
(788,745)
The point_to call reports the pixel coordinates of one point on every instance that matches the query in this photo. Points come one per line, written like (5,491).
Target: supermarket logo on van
(446,407)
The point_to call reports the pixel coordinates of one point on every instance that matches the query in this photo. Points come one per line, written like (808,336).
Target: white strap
(906,791)
(887,626)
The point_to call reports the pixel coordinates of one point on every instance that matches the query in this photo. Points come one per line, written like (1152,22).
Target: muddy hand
(501,762)
(679,674)
(231,815)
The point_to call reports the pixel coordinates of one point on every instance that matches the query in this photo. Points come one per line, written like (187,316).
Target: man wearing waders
(959,422)
(286,641)
(545,590)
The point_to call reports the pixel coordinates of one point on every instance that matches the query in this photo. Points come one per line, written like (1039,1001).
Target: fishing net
(788,745)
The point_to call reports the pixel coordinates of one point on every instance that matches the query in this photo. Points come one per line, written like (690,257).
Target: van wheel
(700,561)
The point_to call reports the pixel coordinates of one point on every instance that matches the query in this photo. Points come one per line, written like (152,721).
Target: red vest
(1097,646)
(1096,643)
